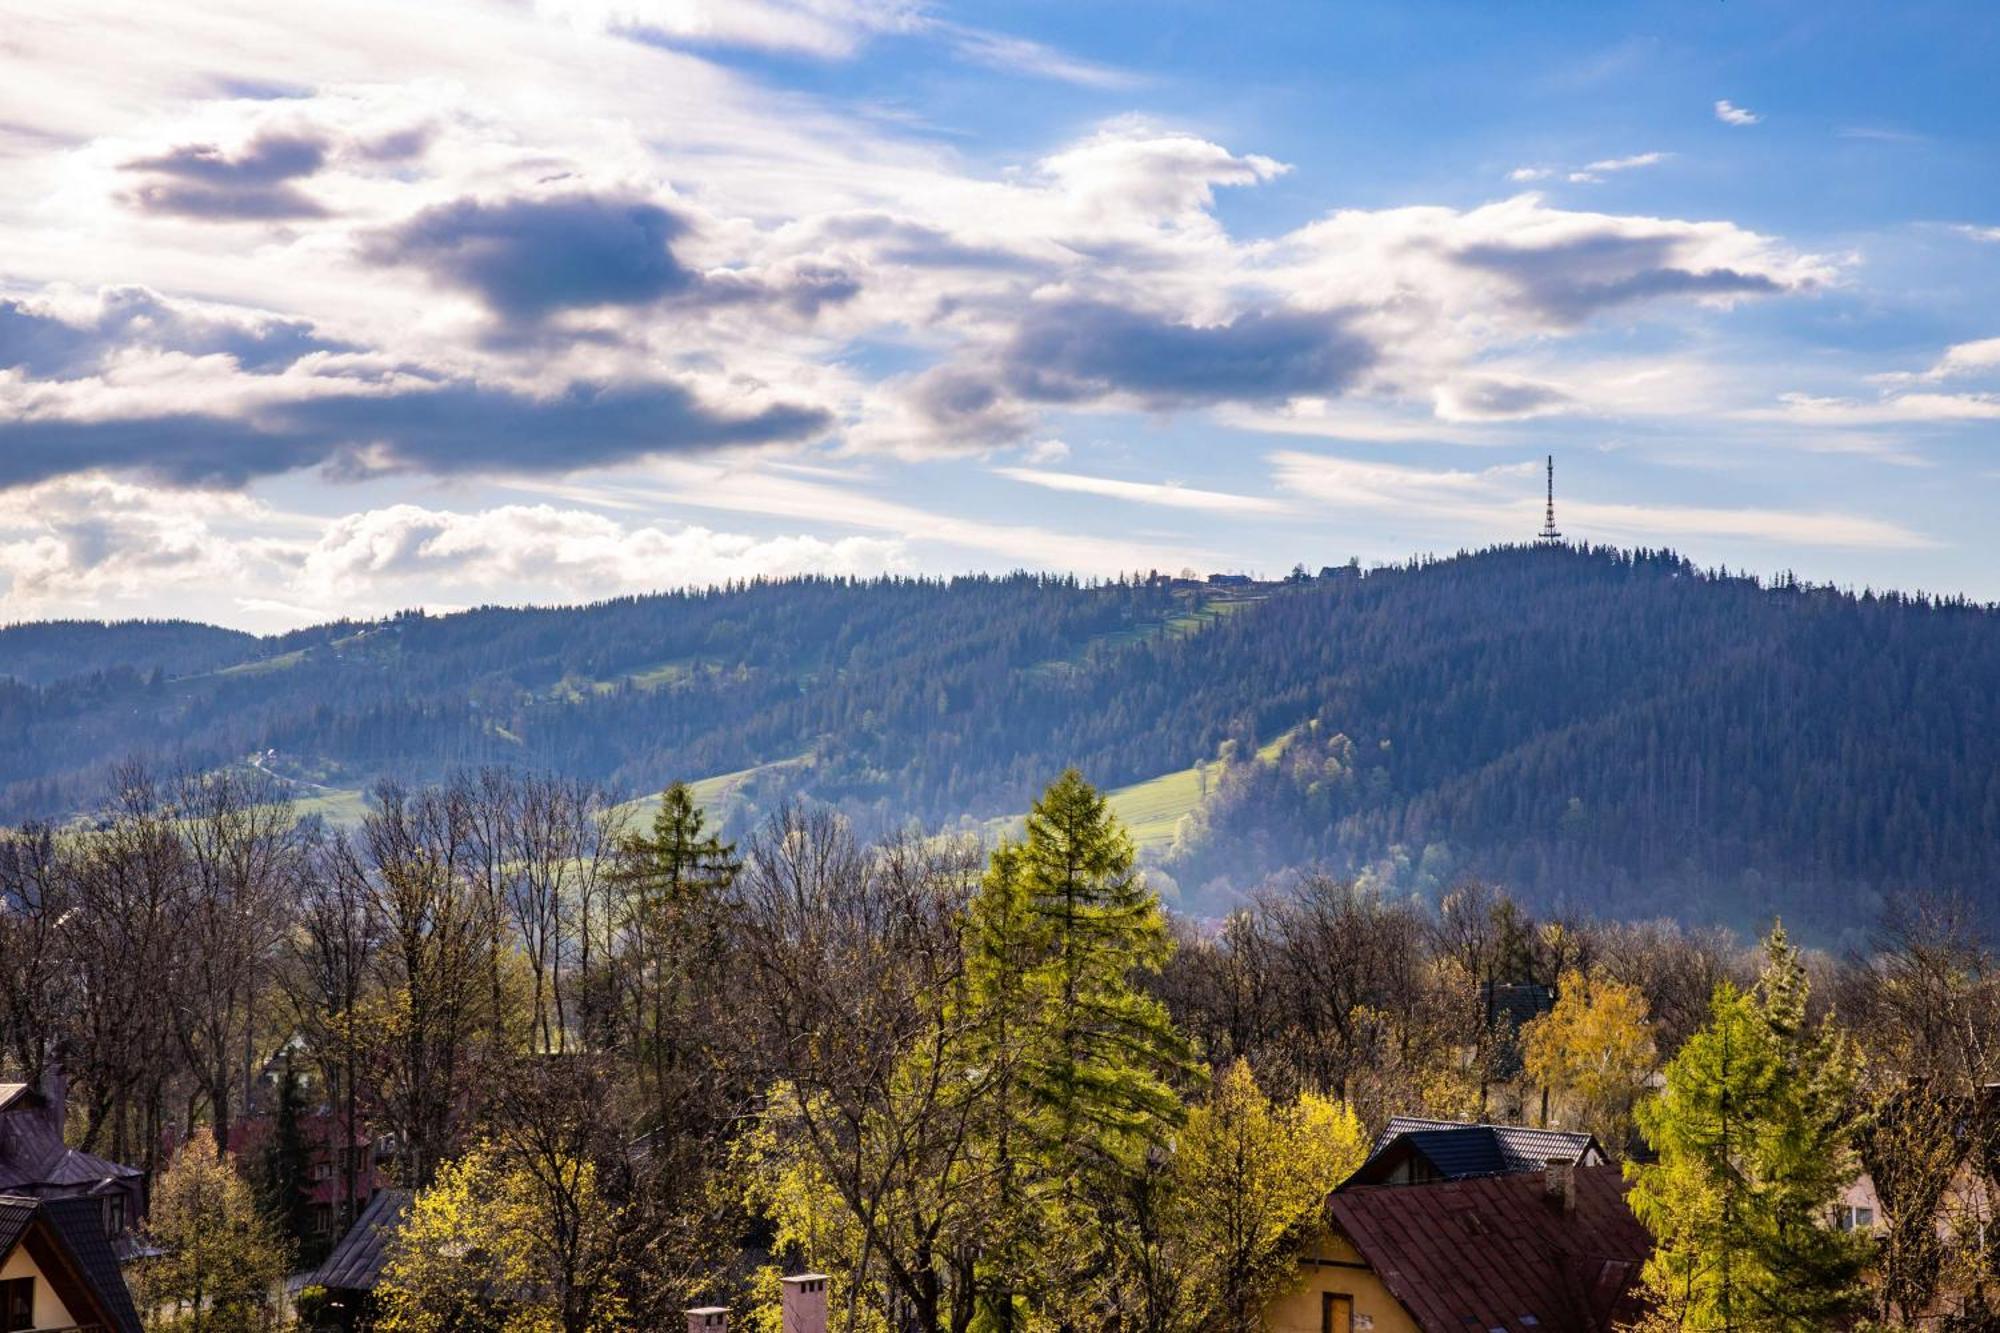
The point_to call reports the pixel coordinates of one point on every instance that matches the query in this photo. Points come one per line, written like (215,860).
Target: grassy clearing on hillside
(716,795)
(1196,618)
(1152,810)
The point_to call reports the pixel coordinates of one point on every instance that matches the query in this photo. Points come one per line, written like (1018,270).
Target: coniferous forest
(1617,732)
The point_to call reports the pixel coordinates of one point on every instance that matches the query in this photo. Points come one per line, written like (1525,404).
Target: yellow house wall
(49,1312)
(1330,1264)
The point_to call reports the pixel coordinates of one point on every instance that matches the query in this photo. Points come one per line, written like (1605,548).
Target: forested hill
(1615,730)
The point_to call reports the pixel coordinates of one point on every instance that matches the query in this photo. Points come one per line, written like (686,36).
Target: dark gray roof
(15,1214)
(1460,1151)
(78,1226)
(33,1157)
(80,1222)
(356,1262)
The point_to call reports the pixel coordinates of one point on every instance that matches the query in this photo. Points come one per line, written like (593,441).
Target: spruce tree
(282,1183)
(1077,1060)
(1754,1148)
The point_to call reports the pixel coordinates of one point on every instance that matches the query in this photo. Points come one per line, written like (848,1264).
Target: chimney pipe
(803,1303)
(708,1319)
(1559,1185)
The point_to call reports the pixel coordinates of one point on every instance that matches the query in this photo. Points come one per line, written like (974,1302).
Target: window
(17,1304)
(1849,1218)
(114,1214)
(1336,1314)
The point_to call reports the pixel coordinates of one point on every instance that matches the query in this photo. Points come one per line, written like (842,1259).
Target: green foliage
(1078,1061)
(221,1260)
(1602,725)
(1754,1147)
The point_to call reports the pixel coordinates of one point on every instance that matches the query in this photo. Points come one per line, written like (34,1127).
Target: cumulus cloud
(563,551)
(529,258)
(63,334)
(252,184)
(452,428)
(92,541)
(1729,113)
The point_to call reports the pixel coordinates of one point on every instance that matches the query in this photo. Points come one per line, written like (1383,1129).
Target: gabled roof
(1498,1254)
(81,1222)
(75,1232)
(356,1261)
(1458,1151)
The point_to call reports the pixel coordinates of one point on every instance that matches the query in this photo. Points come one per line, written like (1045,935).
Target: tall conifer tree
(1754,1148)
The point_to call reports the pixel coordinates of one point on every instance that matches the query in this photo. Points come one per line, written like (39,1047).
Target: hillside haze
(1613,731)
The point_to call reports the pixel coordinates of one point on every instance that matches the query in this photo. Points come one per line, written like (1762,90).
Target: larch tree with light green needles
(1754,1143)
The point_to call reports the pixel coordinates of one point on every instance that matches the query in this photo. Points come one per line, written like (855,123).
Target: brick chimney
(804,1303)
(708,1319)
(1559,1185)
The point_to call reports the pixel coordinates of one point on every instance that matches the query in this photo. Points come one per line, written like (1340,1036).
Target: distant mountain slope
(1613,729)
(41,652)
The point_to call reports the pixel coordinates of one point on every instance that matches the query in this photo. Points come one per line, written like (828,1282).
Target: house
(1549,1251)
(1414,1151)
(36,1163)
(328,1153)
(58,1270)
(353,1269)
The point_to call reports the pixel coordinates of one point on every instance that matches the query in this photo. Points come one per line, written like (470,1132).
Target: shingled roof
(1500,1254)
(76,1228)
(356,1262)
(33,1157)
(1453,1150)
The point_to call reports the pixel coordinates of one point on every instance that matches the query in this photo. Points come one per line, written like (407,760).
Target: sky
(333,310)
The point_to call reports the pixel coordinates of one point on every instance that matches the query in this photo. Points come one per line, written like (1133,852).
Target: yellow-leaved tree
(1593,1052)
(220,1259)
(1248,1180)
(491,1246)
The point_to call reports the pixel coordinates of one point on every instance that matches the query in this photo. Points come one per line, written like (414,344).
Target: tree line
(630,1068)
(1595,728)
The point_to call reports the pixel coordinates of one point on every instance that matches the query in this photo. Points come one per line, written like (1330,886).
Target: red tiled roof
(1497,1254)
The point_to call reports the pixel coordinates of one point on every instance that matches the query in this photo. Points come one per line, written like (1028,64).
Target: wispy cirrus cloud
(1165,494)
(1729,113)
(1503,501)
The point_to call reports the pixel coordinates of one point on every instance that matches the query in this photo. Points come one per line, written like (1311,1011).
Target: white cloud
(1631,163)
(1990,234)
(1729,113)
(1526,175)
(1167,494)
(559,552)
(1503,502)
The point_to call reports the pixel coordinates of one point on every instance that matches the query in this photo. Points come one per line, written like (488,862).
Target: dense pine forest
(1612,731)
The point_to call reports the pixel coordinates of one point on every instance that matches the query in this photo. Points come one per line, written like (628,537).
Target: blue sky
(341,310)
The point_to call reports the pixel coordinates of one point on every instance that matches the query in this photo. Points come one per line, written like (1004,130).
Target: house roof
(33,1156)
(356,1261)
(1459,1151)
(1497,1254)
(75,1228)
(81,1222)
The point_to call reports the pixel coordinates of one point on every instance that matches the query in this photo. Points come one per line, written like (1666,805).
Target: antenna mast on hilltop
(1549,535)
